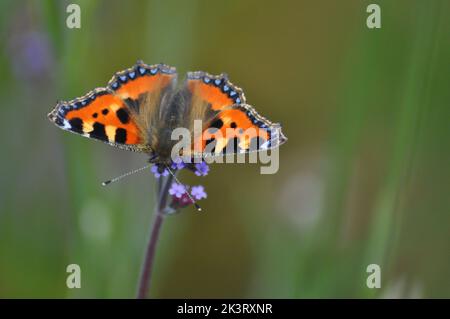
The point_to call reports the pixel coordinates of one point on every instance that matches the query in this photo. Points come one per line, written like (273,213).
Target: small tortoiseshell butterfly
(141,106)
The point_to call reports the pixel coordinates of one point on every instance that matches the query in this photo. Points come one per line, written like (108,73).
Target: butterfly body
(142,106)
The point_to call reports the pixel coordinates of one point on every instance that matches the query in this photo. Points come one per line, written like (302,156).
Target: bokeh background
(363,179)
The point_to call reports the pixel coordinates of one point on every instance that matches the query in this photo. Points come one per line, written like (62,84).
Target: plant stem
(147,266)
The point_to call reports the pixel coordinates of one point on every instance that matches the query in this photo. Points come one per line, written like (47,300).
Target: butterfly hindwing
(236,130)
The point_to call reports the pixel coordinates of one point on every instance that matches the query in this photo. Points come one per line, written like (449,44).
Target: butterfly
(142,105)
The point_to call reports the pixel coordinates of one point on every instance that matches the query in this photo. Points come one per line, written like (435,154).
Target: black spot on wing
(210,145)
(98,132)
(105,111)
(217,124)
(76,125)
(123,115)
(121,135)
(209,141)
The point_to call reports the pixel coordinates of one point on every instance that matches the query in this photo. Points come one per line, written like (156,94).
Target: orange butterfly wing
(229,124)
(237,130)
(120,114)
(215,91)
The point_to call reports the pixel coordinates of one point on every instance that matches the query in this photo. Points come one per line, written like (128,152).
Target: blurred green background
(364,177)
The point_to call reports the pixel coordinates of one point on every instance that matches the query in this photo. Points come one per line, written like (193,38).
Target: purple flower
(177,190)
(198,192)
(178,164)
(182,198)
(156,171)
(183,195)
(201,169)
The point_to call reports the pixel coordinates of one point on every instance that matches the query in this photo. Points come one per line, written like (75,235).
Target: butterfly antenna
(118,178)
(197,206)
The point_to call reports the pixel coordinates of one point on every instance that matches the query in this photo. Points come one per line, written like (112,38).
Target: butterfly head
(161,160)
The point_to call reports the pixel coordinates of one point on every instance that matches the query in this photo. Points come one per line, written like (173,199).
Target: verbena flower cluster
(179,192)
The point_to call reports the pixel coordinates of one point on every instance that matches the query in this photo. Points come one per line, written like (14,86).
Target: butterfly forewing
(206,95)
(147,90)
(121,114)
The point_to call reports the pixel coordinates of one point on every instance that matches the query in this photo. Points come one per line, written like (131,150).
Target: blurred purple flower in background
(27,45)
(30,55)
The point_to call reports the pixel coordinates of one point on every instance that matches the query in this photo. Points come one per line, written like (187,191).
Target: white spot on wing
(66,125)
